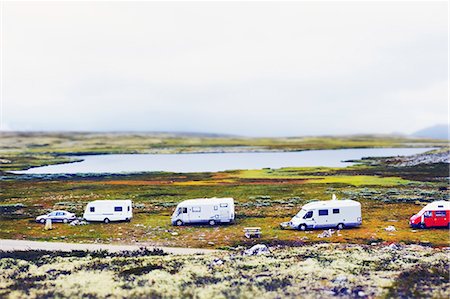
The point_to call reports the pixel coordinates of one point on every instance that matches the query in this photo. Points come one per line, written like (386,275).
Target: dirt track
(11,245)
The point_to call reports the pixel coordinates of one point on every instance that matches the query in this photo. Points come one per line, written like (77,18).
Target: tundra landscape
(224,149)
(368,261)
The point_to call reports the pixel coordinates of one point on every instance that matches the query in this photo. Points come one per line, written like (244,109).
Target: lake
(209,162)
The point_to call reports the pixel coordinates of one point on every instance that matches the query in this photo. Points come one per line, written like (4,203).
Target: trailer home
(108,210)
(328,214)
(204,210)
(435,214)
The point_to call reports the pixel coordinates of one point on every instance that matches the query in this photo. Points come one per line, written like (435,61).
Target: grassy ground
(266,197)
(316,271)
(263,198)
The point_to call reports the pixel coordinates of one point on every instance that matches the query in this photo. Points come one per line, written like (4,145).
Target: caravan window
(323,212)
(128,208)
(335,211)
(308,215)
(216,208)
(117,209)
(440,214)
(223,205)
(196,209)
(92,209)
(184,210)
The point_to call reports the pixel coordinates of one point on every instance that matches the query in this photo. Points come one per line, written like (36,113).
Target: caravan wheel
(302,227)
(179,222)
(106,220)
(212,222)
(340,226)
(422,225)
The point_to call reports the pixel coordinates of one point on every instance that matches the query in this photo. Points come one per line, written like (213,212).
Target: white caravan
(328,214)
(108,210)
(204,210)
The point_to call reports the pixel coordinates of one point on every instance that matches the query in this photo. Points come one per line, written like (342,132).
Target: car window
(428,214)
(308,215)
(52,214)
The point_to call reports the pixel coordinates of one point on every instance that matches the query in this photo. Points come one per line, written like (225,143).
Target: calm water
(217,162)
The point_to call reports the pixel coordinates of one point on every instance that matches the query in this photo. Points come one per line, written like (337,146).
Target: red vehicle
(435,214)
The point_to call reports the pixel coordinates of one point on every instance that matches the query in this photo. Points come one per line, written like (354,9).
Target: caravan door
(183,214)
(224,212)
(310,218)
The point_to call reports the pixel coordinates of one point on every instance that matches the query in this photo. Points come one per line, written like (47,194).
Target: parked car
(108,210)
(327,214)
(204,210)
(57,216)
(435,214)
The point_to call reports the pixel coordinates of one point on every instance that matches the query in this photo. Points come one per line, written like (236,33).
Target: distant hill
(435,132)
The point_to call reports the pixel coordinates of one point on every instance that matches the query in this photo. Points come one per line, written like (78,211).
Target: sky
(240,68)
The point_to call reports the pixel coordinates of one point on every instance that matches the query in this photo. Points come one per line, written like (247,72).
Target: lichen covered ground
(312,271)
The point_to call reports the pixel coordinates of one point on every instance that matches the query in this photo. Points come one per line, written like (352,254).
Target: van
(108,210)
(328,214)
(435,214)
(204,210)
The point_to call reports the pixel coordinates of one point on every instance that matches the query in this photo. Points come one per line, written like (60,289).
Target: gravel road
(11,245)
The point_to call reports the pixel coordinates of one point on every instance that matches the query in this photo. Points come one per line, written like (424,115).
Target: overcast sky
(254,69)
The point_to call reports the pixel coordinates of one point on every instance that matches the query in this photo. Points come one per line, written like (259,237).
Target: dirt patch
(138,183)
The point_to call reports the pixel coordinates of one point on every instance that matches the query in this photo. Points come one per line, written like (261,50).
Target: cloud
(264,68)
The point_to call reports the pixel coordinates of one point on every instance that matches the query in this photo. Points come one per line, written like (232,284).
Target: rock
(390,228)
(436,156)
(326,234)
(361,294)
(340,279)
(174,233)
(78,222)
(394,246)
(210,243)
(217,262)
(259,249)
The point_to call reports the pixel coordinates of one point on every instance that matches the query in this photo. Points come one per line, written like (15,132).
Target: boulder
(259,249)
(326,234)
(390,228)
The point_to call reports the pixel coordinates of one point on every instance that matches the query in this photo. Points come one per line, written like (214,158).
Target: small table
(251,232)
